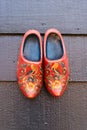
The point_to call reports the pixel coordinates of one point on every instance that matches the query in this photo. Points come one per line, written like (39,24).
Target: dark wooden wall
(44,112)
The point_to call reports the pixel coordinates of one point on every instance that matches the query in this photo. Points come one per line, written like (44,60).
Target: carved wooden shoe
(56,68)
(29,69)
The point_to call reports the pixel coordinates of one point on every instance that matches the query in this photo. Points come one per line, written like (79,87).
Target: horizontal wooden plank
(76,49)
(44,112)
(68,16)
(77,52)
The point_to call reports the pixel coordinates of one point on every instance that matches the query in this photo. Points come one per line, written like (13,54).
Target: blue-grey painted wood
(70,17)
(44,112)
(76,49)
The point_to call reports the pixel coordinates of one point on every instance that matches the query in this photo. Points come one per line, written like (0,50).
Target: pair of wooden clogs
(36,63)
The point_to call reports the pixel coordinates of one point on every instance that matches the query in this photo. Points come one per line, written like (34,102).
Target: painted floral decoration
(30,77)
(55,76)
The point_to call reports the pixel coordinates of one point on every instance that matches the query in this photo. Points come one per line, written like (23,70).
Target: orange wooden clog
(56,68)
(29,69)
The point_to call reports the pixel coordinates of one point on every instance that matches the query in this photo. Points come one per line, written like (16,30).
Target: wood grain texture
(70,17)
(44,112)
(76,49)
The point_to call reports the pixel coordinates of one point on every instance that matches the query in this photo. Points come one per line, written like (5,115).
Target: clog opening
(54,48)
(31,49)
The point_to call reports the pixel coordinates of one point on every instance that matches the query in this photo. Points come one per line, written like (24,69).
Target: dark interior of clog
(54,48)
(31,49)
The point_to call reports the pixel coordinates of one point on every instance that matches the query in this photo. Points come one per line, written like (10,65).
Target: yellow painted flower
(33,67)
(55,66)
(56,84)
(29,87)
